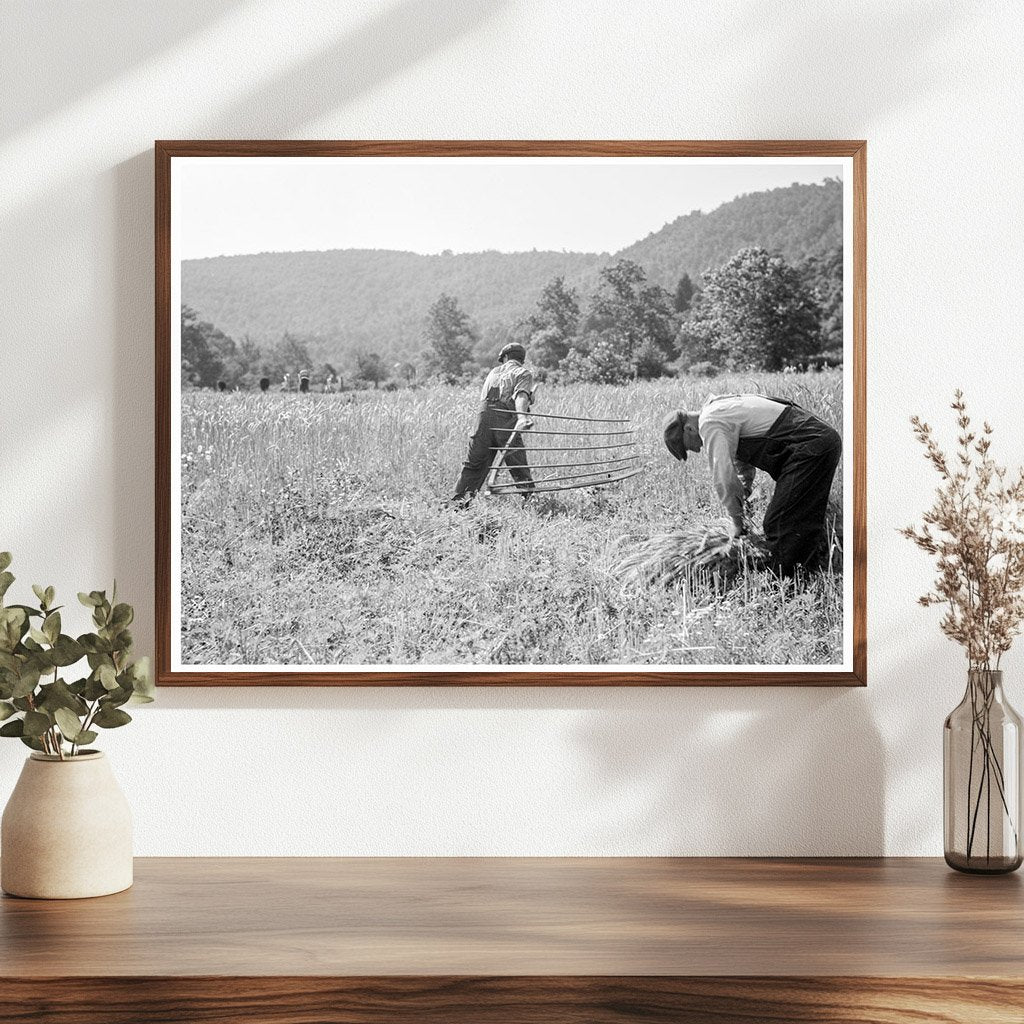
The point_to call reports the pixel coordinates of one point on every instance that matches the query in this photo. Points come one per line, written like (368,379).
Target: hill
(345,299)
(797,221)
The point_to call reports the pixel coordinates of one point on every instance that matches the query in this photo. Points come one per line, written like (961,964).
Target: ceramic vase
(66,831)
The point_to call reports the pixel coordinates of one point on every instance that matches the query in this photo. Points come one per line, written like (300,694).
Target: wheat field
(315,531)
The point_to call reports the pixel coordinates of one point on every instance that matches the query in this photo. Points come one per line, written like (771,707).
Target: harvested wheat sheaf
(694,552)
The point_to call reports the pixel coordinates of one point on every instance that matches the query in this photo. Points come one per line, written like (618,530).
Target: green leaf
(27,682)
(50,595)
(31,741)
(86,736)
(6,579)
(40,592)
(107,676)
(122,616)
(36,723)
(6,710)
(15,615)
(69,724)
(89,600)
(38,635)
(28,610)
(14,728)
(51,626)
(5,560)
(22,703)
(59,695)
(115,698)
(94,645)
(94,689)
(12,627)
(66,651)
(9,663)
(107,718)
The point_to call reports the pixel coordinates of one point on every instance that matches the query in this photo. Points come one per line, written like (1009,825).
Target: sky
(230,206)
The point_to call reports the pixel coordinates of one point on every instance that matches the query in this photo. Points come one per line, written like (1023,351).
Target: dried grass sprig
(975,530)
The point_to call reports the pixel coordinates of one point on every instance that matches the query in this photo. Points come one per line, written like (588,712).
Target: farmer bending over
(505,399)
(744,433)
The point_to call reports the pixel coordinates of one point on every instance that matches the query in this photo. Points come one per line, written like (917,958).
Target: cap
(673,429)
(512,351)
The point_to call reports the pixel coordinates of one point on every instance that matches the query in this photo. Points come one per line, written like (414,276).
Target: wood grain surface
(519,1000)
(519,939)
(505,916)
(166,150)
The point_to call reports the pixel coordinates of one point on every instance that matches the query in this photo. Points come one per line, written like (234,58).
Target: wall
(937,90)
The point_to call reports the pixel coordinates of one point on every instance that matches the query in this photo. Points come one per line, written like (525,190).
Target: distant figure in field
(221,386)
(304,381)
(745,433)
(264,383)
(286,384)
(331,384)
(505,397)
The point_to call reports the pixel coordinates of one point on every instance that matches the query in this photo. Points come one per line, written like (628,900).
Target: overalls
(493,430)
(800,453)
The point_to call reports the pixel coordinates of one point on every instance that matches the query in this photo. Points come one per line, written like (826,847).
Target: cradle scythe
(617,466)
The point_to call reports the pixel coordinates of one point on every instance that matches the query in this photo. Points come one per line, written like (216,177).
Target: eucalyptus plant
(46,712)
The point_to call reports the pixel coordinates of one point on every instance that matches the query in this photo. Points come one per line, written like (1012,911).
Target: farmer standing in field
(744,433)
(505,402)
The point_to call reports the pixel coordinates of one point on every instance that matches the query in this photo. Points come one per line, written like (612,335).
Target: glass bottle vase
(981,773)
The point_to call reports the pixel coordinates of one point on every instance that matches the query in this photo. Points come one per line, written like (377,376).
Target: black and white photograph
(492,414)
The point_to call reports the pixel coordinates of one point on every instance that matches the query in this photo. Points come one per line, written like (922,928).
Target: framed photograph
(493,413)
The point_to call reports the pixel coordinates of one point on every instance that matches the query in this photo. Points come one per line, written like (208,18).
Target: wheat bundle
(700,552)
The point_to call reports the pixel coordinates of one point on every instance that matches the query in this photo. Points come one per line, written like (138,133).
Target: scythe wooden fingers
(572,433)
(547,489)
(554,416)
(575,465)
(563,448)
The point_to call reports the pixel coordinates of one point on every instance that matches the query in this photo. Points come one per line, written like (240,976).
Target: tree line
(755,312)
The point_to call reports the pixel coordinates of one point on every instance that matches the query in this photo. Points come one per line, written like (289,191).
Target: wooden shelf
(572,941)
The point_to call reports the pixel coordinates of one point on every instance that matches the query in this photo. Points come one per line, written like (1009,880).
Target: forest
(754,285)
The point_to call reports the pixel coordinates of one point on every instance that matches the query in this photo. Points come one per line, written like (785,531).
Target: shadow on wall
(747,771)
(849,44)
(45,52)
(689,771)
(384,46)
(134,369)
(393,40)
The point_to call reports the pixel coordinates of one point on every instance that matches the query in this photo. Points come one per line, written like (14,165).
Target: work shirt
(504,382)
(723,420)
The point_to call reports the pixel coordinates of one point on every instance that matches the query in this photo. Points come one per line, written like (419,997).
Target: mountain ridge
(344,300)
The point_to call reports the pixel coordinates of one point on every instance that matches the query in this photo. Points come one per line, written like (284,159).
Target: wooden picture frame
(173,669)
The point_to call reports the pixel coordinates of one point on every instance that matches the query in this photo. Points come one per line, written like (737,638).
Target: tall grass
(315,530)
